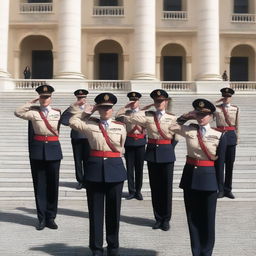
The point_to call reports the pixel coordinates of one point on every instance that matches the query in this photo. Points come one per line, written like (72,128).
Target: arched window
(241,6)
(108,2)
(172,5)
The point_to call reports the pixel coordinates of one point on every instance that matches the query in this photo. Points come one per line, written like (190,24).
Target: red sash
(226,115)
(203,147)
(111,146)
(49,127)
(136,127)
(159,128)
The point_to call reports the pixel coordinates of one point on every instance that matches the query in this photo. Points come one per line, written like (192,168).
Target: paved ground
(235,234)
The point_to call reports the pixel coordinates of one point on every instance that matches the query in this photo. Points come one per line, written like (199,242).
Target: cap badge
(158,93)
(133,94)
(201,104)
(80,92)
(45,89)
(227,90)
(106,97)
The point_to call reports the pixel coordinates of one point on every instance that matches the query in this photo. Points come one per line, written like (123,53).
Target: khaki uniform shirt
(147,121)
(29,112)
(211,140)
(89,126)
(233,116)
(129,125)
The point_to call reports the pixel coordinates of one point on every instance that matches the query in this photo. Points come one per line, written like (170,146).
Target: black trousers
(81,151)
(45,176)
(98,195)
(134,157)
(230,156)
(161,179)
(201,210)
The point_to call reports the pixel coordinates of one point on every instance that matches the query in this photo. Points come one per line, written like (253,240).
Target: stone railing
(243,86)
(175,15)
(108,11)
(28,83)
(36,8)
(243,18)
(179,86)
(109,85)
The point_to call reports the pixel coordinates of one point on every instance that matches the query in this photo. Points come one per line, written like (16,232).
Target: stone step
(8,193)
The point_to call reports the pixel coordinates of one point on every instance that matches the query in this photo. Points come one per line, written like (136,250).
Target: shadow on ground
(56,249)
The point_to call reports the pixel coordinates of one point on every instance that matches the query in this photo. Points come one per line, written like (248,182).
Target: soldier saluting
(80,144)
(202,174)
(159,155)
(227,120)
(134,147)
(45,154)
(105,171)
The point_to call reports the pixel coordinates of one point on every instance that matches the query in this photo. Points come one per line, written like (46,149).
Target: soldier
(134,147)
(227,119)
(80,144)
(201,178)
(159,155)
(45,154)
(105,171)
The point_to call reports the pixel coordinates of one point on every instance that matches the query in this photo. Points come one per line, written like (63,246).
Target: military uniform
(227,120)
(45,156)
(134,149)
(105,173)
(201,178)
(80,144)
(160,158)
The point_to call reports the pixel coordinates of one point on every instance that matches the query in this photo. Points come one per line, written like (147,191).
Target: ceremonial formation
(110,148)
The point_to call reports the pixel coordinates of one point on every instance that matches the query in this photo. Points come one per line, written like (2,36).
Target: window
(108,3)
(172,68)
(39,1)
(172,5)
(239,69)
(241,6)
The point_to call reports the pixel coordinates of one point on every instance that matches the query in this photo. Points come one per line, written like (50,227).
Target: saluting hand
(128,105)
(147,106)
(34,101)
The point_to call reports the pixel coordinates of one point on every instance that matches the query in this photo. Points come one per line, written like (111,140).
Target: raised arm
(24,111)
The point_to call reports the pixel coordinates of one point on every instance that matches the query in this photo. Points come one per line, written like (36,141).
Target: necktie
(203,130)
(105,124)
(159,115)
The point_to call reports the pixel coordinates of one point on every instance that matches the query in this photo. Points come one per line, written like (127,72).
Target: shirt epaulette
(235,106)
(128,112)
(194,125)
(118,122)
(149,113)
(57,109)
(35,108)
(169,113)
(94,119)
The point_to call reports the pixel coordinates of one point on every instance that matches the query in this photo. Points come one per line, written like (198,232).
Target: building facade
(143,41)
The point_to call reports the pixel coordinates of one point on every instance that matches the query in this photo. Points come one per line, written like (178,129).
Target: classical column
(90,63)
(188,68)
(69,38)
(126,66)
(208,40)
(4,31)
(144,40)
(17,74)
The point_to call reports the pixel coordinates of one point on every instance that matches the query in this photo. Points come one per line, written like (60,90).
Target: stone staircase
(15,176)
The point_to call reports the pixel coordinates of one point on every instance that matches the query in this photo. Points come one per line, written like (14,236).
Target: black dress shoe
(138,196)
(79,186)
(131,196)
(51,224)
(97,254)
(220,194)
(157,225)
(165,226)
(40,225)
(229,194)
(113,252)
